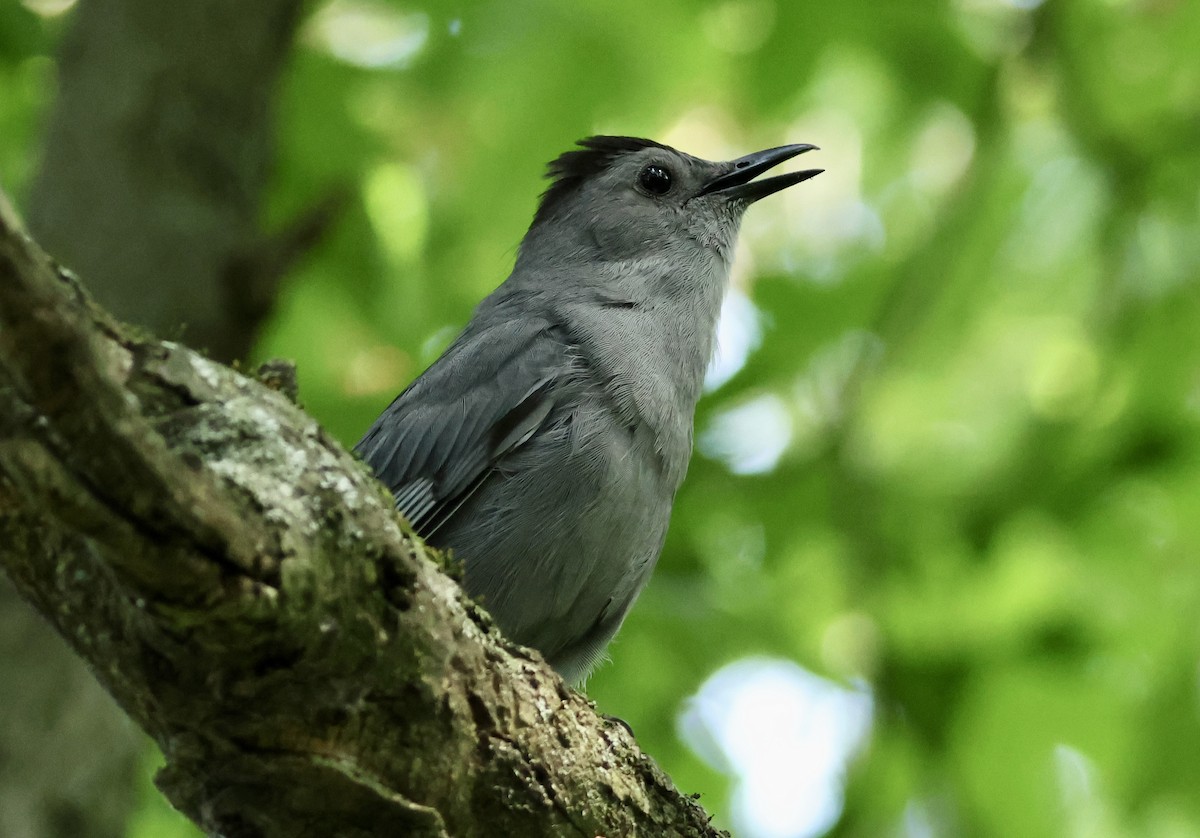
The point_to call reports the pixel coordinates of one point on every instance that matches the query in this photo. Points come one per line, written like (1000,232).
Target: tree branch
(161,134)
(244,589)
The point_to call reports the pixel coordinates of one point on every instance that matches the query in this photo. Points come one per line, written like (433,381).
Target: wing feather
(486,397)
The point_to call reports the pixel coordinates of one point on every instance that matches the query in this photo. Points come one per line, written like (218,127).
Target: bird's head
(623,198)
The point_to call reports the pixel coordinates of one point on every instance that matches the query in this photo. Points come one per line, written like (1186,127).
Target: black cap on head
(572,168)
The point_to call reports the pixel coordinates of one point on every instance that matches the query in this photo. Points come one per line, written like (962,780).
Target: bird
(545,446)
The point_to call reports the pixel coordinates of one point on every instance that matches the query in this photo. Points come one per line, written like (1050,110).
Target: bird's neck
(647,328)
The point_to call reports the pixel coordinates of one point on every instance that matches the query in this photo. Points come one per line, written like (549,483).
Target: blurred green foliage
(962,464)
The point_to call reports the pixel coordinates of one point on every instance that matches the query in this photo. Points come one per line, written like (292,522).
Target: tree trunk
(154,161)
(244,589)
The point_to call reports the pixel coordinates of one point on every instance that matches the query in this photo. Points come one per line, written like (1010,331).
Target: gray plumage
(545,446)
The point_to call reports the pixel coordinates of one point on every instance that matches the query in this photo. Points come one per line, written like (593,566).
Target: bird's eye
(656,180)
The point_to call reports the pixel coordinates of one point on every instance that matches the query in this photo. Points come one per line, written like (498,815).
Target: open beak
(738,183)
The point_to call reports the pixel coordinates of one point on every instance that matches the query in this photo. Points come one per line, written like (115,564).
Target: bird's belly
(562,538)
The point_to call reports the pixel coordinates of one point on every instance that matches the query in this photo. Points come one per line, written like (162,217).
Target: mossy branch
(242,586)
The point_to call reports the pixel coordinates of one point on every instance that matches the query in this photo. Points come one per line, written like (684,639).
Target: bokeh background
(936,567)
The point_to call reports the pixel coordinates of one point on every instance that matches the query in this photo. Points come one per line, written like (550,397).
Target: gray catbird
(546,445)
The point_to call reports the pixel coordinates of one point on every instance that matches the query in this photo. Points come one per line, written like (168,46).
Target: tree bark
(244,589)
(156,154)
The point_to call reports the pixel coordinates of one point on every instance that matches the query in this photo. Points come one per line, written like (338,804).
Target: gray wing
(484,398)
